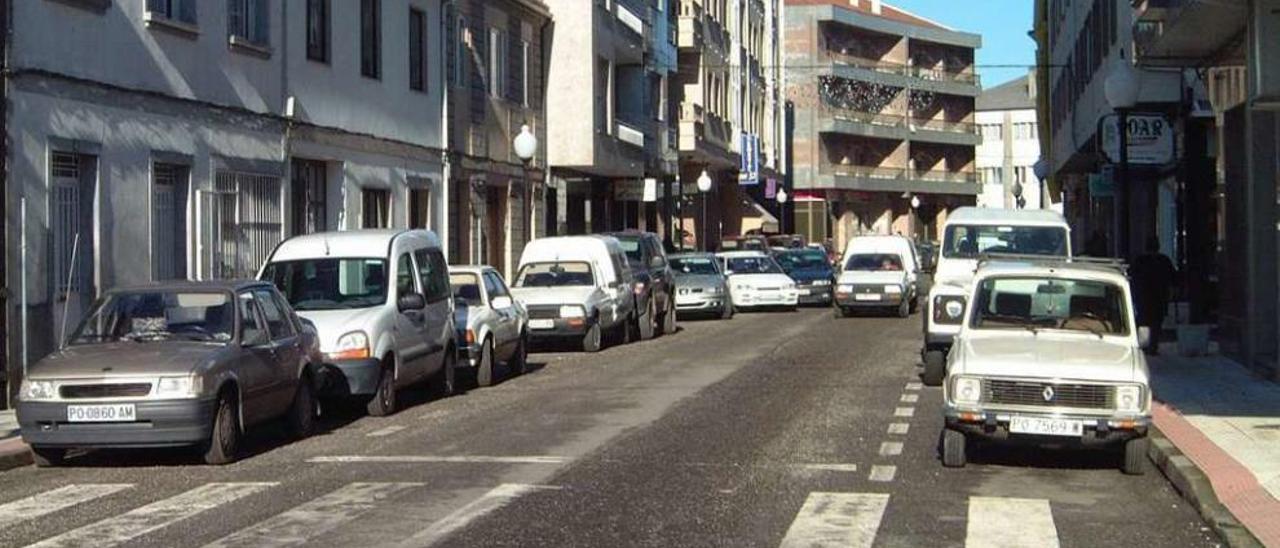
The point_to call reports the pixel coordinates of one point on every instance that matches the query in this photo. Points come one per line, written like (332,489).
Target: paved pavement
(787,429)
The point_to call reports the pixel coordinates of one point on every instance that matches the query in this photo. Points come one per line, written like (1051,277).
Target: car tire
(726,312)
(1135,456)
(669,323)
(593,341)
(629,330)
(383,402)
(904,309)
(647,324)
(519,363)
(302,413)
(935,368)
(484,368)
(48,457)
(954,450)
(445,382)
(224,441)
(915,304)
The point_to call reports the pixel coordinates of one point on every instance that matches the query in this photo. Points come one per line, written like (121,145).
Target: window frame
(321,10)
(418,67)
(371,39)
(266,300)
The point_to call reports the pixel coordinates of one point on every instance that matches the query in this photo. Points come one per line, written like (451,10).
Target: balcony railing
(945,75)
(710,125)
(865,172)
(876,118)
(945,176)
(944,125)
(877,65)
(628,133)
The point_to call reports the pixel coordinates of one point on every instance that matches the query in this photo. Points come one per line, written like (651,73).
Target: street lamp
(704,186)
(781,197)
(1017,195)
(1121,89)
(525,146)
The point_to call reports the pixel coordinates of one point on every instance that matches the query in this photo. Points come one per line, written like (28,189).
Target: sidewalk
(13,453)
(1226,423)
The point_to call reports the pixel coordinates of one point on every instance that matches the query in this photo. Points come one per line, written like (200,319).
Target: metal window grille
(241,224)
(309,201)
(68,205)
(168,221)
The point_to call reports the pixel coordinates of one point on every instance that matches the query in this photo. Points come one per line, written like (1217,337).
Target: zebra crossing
(825,519)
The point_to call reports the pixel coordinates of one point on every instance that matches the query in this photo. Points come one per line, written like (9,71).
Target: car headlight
(1129,398)
(893,288)
(352,346)
(715,291)
(845,288)
(741,287)
(572,311)
(948,309)
(789,286)
(178,387)
(966,390)
(36,390)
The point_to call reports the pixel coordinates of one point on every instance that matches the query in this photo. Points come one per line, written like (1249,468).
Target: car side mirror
(1144,336)
(501,303)
(411,301)
(254,337)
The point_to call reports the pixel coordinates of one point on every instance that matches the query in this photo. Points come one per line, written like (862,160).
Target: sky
(1003,25)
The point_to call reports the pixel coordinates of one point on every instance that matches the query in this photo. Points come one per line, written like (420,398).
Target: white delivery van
(577,287)
(878,272)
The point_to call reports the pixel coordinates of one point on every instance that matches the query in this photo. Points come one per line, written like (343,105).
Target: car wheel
(445,383)
(904,309)
(519,363)
(935,368)
(47,457)
(669,319)
(593,340)
(953,448)
(647,325)
(1135,456)
(302,414)
(915,304)
(726,312)
(383,402)
(484,369)
(224,441)
(629,330)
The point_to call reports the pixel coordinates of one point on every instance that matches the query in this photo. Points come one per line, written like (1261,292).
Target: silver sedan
(701,286)
(492,327)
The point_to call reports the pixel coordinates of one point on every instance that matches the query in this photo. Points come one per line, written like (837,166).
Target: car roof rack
(1100,262)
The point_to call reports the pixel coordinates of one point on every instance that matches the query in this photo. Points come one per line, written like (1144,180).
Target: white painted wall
(1008,153)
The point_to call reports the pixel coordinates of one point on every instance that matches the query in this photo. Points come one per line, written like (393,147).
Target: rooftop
(864,6)
(1012,95)
(991,216)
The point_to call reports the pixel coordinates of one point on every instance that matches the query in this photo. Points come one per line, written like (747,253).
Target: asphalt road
(780,429)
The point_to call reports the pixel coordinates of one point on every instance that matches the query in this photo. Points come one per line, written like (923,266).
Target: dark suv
(654,282)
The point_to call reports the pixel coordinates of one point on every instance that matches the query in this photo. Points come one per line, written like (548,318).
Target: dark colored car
(173,364)
(654,281)
(811,271)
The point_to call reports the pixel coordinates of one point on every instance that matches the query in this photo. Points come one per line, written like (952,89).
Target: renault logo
(1048,393)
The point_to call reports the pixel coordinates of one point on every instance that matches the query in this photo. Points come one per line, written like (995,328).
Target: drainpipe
(446,169)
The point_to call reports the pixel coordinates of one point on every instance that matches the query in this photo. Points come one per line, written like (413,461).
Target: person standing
(1152,274)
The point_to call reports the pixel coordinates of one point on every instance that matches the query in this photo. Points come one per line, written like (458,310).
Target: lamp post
(704,186)
(781,197)
(525,146)
(1041,170)
(1018,200)
(1121,88)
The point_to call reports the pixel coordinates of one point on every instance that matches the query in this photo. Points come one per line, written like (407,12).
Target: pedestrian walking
(1153,275)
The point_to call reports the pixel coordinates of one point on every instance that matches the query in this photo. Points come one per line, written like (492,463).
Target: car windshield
(631,248)
(555,274)
(864,262)
(1071,305)
(694,265)
(158,315)
(466,287)
(966,241)
(802,259)
(753,265)
(330,284)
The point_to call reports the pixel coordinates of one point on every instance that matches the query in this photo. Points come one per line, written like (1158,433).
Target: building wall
(1014,154)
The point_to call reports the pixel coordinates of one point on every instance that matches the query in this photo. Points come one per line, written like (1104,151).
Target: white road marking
(832,467)
(385,431)
(904,412)
(496,498)
(910,398)
(883,472)
(847,520)
(914,385)
(1021,522)
(899,428)
(463,459)
(890,448)
(310,520)
(52,501)
(157,515)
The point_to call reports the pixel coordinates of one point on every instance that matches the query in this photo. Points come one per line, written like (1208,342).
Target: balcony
(704,132)
(878,65)
(946,75)
(1189,32)
(944,131)
(896,180)
(630,133)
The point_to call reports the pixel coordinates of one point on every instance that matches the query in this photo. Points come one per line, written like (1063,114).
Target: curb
(1196,489)
(14,454)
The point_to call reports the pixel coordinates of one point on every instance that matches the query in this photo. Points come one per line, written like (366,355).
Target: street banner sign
(1150,137)
(749,166)
(650,190)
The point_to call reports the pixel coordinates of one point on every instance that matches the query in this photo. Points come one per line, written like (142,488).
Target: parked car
(701,286)
(744,243)
(756,280)
(381,302)
(879,272)
(654,282)
(577,287)
(492,326)
(968,234)
(811,271)
(173,364)
(1048,353)
(786,241)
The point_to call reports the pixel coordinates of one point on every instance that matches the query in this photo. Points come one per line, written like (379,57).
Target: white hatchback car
(1048,353)
(757,281)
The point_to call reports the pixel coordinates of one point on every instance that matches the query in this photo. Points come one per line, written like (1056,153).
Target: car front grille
(867,288)
(1043,394)
(544,312)
(123,390)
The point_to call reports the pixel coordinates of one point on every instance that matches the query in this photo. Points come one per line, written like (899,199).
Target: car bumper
(352,377)
(784,298)
(816,295)
(559,328)
(697,304)
(1097,430)
(158,424)
(850,300)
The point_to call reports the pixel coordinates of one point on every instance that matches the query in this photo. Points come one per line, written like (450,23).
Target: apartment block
(884,118)
(1006,118)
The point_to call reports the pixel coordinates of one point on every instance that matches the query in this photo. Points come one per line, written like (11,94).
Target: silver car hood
(533,296)
(706,281)
(125,358)
(1051,356)
(333,324)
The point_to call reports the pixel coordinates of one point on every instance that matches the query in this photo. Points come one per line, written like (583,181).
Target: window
(183,11)
(375,208)
(497,68)
(168,221)
(371,38)
(499,287)
(417,50)
(419,207)
(250,326)
(433,274)
(1087,306)
(241,222)
(405,283)
(461,43)
(248,20)
(277,320)
(309,201)
(524,73)
(318,30)
(330,284)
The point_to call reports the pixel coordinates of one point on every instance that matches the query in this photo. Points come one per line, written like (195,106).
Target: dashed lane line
(890,448)
(899,428)
(910,398)
(381,432)
(883,473)
(914,385)
(904,412)
(1022,522)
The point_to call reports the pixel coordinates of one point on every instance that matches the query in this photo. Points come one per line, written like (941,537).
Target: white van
(969,234)
(878,272)
(577,287)
(382,306)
